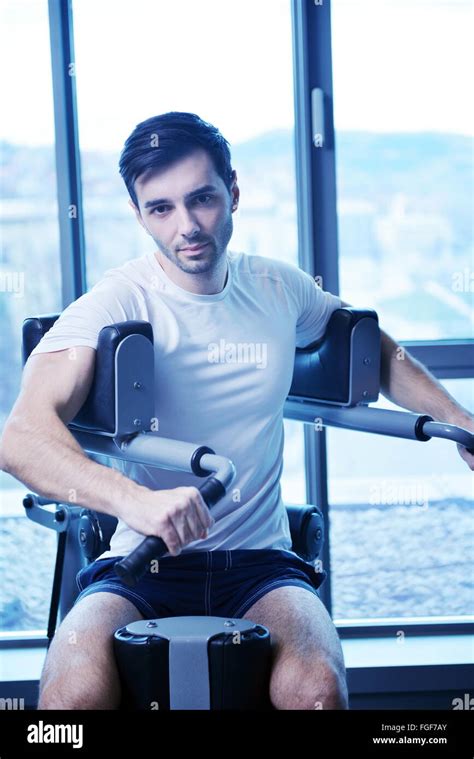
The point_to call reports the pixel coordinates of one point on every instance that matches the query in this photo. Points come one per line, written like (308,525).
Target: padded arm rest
(99,412)
(343,367)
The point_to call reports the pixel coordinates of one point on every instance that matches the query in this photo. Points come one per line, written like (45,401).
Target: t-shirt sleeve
(110,301)
(315,307)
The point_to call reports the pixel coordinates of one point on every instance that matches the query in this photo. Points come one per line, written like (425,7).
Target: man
(195,293)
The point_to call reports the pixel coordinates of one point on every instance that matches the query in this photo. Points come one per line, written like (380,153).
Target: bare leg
(80,670)
(308,669)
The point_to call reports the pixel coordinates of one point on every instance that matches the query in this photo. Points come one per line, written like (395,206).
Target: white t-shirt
(223,369)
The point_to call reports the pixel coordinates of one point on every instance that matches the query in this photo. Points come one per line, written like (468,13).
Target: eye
(160,210)
(203,200)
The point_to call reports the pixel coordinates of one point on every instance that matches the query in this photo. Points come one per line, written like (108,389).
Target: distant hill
(423,162)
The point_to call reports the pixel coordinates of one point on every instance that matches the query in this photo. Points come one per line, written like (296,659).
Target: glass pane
(293,482)
(30,282)
(404,150)
(249,100)
(146,70)
(402,523)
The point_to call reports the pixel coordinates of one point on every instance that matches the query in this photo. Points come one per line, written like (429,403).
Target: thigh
(299,624)
(90,625)
(80,671)
(308,669)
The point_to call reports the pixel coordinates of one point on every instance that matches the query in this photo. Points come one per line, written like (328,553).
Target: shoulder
(129,279)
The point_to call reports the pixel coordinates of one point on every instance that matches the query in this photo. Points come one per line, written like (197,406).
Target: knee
(321,685)
(59,693)
(77,682)
(330,687)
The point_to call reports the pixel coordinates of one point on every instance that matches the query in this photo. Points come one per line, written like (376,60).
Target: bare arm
(406,382)
(37,448)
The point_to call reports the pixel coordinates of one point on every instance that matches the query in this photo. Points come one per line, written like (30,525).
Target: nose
(188,226)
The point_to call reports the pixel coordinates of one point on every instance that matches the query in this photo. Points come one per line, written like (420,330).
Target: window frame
(317,243)
(68,160)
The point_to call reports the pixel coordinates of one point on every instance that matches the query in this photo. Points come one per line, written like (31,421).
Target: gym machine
(194,662)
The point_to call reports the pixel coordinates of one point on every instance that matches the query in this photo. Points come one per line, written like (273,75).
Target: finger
(196,513)
(202,510)
(172,539)
(193,515)
(196,528)
(183,527)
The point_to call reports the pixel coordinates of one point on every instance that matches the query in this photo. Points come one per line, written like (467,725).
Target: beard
(206,260)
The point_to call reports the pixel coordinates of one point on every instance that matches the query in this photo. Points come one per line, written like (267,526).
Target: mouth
(194,248)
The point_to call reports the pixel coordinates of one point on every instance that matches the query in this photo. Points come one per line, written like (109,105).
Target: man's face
(187,209)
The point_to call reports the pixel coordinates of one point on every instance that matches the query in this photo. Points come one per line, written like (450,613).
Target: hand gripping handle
(132,567)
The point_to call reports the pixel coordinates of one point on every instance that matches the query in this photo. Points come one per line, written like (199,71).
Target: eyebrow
(200,191)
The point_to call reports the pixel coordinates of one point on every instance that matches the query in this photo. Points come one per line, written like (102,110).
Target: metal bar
(73,562)
(145,448)
(317,219)
(223,469)
(449,432)
(316,459)
(389,626)
(446,359)
(302,134)
(151,449)
(363,418)
(315,165)
(36,510)
(56,591)
(68,164)
(378,421)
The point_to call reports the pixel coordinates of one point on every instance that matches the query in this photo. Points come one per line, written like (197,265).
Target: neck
(202,283)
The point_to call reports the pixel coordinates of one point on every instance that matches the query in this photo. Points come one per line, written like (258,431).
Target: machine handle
(132,567)
(458,435)
(58,520)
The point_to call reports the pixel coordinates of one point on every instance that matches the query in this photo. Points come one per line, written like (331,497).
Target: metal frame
(69,186)
(68,162)
(317,220)
(23,639)
(446,359)
(389,627)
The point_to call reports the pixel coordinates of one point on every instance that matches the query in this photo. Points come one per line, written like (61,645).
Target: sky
(398,65)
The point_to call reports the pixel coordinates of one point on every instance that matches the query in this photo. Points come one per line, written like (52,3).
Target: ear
(138,215)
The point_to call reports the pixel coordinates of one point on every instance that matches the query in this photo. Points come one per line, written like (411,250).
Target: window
(133,64)
(30,283)
(400,511)
(402,527)
(401,72)
(147,68)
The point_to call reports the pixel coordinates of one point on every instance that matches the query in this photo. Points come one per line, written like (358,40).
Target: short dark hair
(161,140)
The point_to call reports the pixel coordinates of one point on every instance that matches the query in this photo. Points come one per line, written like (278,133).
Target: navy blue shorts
(214,583)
